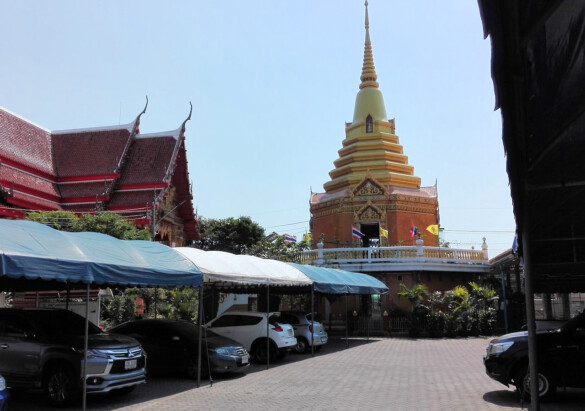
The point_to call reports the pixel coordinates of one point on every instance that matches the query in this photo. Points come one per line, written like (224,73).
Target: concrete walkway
(379,374)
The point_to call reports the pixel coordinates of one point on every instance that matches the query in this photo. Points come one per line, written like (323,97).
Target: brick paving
(379,374)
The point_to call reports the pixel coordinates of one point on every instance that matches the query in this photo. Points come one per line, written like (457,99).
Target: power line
(480,231)
(285,225)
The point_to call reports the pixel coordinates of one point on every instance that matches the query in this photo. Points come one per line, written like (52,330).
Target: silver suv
(249,329)
(306,330)
(44,348)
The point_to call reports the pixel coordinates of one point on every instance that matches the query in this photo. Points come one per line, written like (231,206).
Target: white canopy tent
(241,273)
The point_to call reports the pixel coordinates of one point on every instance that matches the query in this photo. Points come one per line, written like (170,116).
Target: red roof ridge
(24,119)
(129,127)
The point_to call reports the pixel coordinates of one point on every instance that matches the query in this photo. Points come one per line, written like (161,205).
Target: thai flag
(356,233)
(413,231)
(290,238)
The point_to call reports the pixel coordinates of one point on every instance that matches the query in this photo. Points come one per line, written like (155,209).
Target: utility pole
(152,222)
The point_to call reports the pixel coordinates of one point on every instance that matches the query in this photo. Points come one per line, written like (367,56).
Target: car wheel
(61,386)
(192,368)
(260,352)
(546,386)
(302,345)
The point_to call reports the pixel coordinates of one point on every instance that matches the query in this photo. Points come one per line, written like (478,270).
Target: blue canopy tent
(34,252)
(36,257)
(334,281)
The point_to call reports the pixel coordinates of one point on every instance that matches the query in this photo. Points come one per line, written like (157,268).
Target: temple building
(113,168)
(373,188)
(375,217)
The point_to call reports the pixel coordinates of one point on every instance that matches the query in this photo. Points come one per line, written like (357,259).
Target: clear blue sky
(272,84)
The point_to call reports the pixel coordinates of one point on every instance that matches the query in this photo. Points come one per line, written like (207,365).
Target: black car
(561,358)
(172,347)
(44,348)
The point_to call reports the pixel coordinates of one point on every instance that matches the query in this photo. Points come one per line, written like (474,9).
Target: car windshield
(317,317)
(59,323)
(574,323)
(190,330)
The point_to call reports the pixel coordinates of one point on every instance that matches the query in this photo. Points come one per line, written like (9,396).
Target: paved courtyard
(379,374)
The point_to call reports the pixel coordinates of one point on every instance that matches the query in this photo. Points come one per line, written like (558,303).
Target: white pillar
(320,259)
(419,247)
(484,248)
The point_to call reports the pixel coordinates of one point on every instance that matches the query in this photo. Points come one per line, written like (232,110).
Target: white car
(249,329)
(306,330)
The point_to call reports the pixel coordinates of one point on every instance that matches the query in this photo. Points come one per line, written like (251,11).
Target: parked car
(44,348)
(4,394)
(172,347)
(249,329)
(306,330)
(561,358)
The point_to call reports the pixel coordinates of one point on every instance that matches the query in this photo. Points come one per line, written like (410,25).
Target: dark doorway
(371,235)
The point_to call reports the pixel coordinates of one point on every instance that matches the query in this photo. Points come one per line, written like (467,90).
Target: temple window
(369,124)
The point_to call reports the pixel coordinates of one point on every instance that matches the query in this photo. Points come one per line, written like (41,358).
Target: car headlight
(498,348)
(222,351)
(2,383)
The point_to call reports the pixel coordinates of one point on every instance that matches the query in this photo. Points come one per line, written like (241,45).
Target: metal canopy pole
(530,322)
(312,321)
(86,337)
(267,325)
(346,324)
(200,315)
(504,297)
(155,293)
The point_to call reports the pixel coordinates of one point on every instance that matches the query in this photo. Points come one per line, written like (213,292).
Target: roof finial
(187,119)
(369,75)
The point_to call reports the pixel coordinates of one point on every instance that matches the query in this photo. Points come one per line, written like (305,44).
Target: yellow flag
(307,237)
(383,233)
(433,229)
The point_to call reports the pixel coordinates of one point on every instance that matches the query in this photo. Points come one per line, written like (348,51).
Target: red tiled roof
(131,199)
(25,143)
(28,182)
(87,153)
(181,183)
(83,189)
(148,160)
(83,170)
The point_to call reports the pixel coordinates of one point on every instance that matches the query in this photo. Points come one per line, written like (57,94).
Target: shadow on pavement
(158,387)
(333,346)
(504,398)
(572,399)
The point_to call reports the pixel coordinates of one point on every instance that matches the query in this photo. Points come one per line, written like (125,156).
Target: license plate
(323,339)
(130,364)
(245,359)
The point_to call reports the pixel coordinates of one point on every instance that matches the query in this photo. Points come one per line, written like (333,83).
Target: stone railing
(373,255)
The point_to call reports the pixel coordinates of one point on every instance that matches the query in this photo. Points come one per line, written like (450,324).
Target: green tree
(419,312)
(119,309)
(415,294)
(275,248)
(101,222)
(111,224)
(59,220)
(181,304)
(233,235)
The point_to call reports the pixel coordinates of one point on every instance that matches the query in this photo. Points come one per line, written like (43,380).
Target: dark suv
(44,348)
(561,358)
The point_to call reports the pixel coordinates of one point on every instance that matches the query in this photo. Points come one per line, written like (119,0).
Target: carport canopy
(34,256)
(229,270)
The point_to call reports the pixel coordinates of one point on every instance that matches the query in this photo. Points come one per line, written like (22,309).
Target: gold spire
(370,149)
(369,75)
